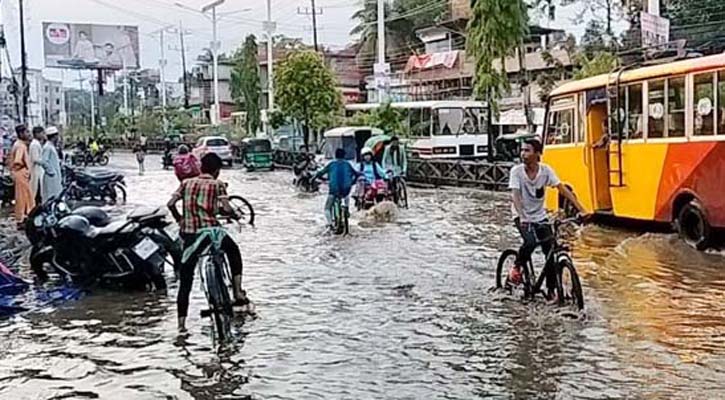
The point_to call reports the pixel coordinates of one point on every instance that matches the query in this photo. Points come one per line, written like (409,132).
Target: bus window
(656,108)
(561,126)
(635,117)
(417,124)
(448,121)
(721,103)
(676,107)
(474,121)
(704,105)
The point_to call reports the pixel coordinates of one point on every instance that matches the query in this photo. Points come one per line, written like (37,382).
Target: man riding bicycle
(342,177)
(201,197)
(394,158)
(528,182)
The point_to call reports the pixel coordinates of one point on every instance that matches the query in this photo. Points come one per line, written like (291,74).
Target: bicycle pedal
(206,313)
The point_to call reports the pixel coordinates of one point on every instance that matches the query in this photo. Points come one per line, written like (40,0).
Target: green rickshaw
(257,154)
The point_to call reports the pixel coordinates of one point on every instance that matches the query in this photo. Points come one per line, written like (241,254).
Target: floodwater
(395,311)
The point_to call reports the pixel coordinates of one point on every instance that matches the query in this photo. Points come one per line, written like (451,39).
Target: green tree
(495,30)
(180,120)
(700,22)
(149,123)
(601,63)
(305,90)
(385,117)
(245,83)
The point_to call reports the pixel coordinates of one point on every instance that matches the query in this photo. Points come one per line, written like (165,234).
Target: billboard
(90,46)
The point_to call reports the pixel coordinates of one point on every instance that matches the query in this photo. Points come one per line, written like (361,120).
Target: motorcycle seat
(95,215)
(111,229)
(97,174)
(147,213)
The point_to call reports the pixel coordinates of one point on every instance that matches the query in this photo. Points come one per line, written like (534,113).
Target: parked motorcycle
(86,246)
(95,184)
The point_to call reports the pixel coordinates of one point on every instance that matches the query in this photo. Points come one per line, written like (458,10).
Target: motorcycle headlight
(63,208)
(38,221)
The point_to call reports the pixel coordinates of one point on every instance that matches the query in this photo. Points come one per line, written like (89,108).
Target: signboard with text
(88,46)
(655,30)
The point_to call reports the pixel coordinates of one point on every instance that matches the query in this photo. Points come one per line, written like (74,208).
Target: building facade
(445,72)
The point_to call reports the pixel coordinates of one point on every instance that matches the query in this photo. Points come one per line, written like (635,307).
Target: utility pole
(216,114)
(269,28)
(381,69)
(313,12)
(183,64)
(23,65)
(162,71)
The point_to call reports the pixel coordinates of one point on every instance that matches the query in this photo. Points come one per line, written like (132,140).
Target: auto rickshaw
(257,154)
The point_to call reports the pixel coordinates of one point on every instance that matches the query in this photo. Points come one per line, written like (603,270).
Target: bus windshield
(458,121)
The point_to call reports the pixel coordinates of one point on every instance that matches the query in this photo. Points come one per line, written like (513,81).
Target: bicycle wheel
(505,263)
(569,286)
(338,218)
(219,298)
(243,208)
(401,193)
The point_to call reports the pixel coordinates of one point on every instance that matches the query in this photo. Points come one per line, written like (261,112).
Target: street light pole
(382,69)
(270,28)
(183,64)
(23,65)
(216,115)
(215,56)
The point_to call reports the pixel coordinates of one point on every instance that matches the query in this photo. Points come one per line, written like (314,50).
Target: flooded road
(396,311)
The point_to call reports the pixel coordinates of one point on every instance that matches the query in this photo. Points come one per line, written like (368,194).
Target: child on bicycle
(202,197)
(342,177)
(528,182)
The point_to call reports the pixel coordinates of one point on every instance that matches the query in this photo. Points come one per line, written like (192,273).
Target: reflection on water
(400,311)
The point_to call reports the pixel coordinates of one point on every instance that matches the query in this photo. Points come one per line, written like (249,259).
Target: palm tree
(403,18)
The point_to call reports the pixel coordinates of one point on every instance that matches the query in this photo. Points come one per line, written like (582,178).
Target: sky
(334,24)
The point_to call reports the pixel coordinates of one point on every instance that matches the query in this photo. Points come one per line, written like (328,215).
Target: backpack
(186,167)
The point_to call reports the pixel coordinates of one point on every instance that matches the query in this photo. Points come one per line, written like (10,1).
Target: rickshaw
(257,154)
(350,138)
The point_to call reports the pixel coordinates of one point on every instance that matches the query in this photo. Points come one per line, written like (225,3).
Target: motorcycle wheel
(103,160)
(37,264)
(116,193)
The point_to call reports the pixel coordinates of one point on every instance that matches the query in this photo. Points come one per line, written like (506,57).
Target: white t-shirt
(532,191)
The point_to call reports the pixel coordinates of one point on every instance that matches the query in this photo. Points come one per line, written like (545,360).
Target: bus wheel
(692,225)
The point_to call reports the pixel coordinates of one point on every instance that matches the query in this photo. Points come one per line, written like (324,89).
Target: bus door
(597,156)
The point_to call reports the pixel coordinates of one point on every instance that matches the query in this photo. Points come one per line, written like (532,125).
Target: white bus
(442,129)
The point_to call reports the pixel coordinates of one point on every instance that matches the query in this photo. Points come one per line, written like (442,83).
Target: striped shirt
(200,198)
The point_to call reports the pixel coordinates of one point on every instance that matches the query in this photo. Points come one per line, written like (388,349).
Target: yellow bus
(645,144)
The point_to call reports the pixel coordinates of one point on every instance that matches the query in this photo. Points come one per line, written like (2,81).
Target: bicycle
(399,190)
(340,217)
(568,285)
(216,278)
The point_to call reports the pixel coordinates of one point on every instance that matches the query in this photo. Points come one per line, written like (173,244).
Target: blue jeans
(331,202)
